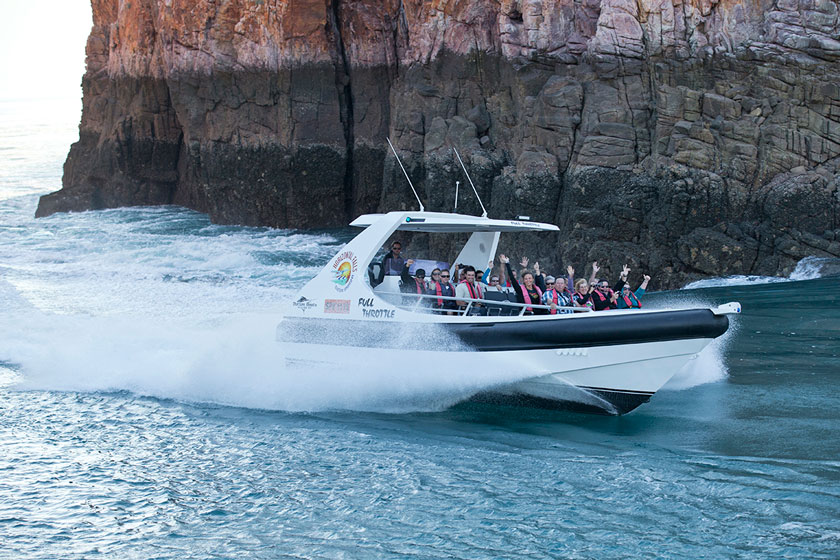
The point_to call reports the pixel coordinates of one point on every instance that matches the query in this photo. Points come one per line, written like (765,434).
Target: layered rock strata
(687,138)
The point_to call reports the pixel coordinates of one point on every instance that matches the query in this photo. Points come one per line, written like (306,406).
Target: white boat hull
(609,379)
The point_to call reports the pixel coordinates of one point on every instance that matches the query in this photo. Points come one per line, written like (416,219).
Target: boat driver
(391,265)
(393,262)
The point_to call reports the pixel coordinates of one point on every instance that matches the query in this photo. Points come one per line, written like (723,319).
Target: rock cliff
(686,137)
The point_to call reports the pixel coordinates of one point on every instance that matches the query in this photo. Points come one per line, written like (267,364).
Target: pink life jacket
(527,297)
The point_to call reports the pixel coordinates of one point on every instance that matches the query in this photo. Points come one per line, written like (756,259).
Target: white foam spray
(235,361)
(710,364)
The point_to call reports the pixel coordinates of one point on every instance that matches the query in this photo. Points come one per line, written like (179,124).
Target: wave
(809,268)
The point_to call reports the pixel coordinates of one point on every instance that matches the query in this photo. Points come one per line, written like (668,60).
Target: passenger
(603,297)
(494,285)
(632,300)
(469,290)
(526,293)
(413,285)
(433,277)
(495,292)
(443,288)
(539,278)
(557,295)
(479,274)
(582,297)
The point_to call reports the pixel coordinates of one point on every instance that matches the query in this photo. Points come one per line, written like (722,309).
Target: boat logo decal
(344,269)
(338,306)
(304,304)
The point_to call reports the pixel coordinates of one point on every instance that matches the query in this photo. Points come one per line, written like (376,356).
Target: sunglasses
(444,276)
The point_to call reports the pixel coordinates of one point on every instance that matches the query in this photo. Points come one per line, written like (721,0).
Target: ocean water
(145,411)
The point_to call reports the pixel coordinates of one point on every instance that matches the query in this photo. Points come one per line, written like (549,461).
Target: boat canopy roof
(442,222)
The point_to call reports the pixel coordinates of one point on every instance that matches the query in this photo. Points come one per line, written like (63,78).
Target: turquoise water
(145,413)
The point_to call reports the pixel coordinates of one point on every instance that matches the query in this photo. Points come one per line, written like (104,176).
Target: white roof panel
(440,222)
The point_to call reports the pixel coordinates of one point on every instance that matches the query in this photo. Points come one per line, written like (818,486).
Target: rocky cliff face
(686,137)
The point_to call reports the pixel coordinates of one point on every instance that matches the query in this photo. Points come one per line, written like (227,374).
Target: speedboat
(606,361)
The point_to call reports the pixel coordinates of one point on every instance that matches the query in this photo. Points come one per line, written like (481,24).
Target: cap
(419,272)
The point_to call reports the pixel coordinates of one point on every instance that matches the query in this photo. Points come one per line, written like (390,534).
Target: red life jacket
(553,299)
(631,301)
(603,298)
(475,291)
(439,292)
(420,286)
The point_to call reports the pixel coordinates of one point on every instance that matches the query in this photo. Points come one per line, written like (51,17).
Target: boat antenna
(483,210)
(406,174)
(455,211)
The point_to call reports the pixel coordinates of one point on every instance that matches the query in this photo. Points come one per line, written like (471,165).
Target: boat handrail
(492,302)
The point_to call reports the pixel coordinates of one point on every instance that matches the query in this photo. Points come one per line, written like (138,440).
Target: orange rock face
(660,126)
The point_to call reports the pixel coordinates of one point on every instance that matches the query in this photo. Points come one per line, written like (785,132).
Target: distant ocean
(145,411)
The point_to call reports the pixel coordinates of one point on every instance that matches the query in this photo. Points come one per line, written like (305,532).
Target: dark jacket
(409,284)
(391,266)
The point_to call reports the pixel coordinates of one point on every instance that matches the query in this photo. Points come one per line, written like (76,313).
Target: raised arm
(539,277)
(487,274)
(516,288)
(595,269)
(622,278)
(404,275)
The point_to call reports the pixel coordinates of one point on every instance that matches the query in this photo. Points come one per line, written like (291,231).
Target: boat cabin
(345,283)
